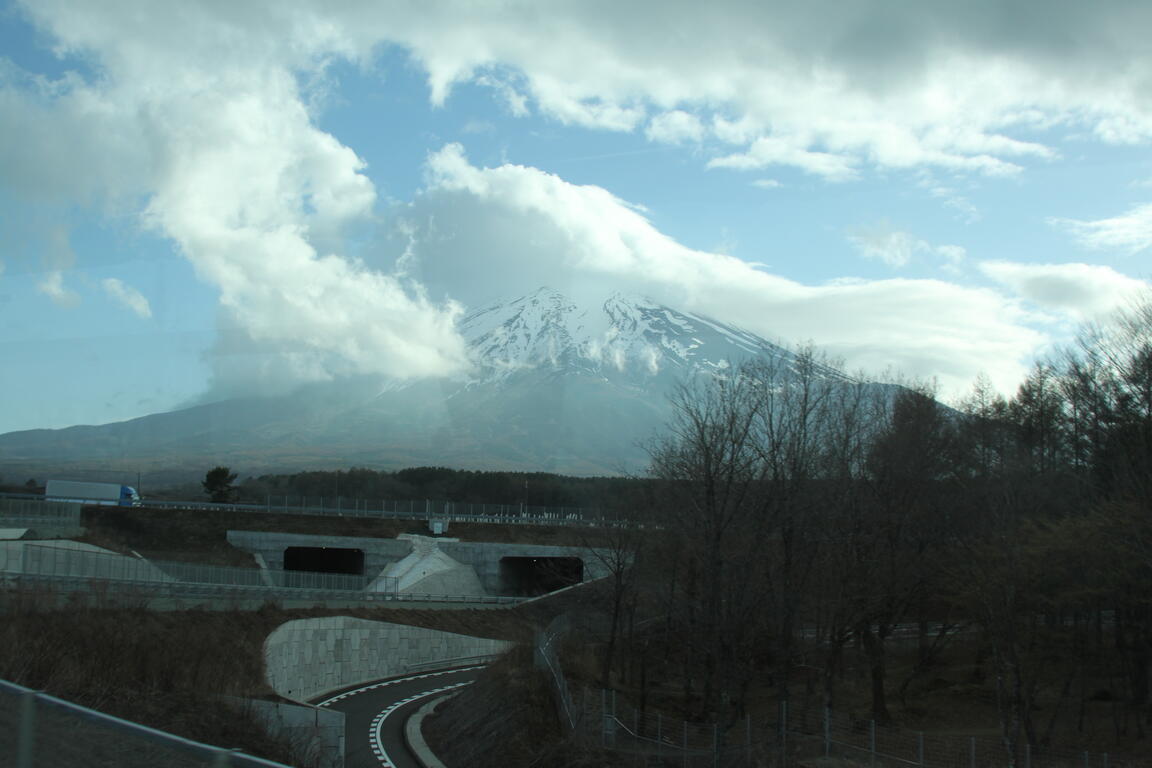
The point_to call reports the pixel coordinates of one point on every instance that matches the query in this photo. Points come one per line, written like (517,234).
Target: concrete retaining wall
(308,657)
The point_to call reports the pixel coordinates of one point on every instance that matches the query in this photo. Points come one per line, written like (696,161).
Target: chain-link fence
(660,739)
(37,730)
(610,721)
(549,660)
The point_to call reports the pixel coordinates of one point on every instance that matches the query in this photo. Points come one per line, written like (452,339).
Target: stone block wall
(309,657)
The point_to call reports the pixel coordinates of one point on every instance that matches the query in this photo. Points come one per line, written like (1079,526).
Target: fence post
(604,717)
(684,744)
(1027,755)
(715,746)
(972,752)
(659,735)
(784,732)
(26,743)
(1087,761)
(1105,760)
(920,747)
(871,742)
(827,732)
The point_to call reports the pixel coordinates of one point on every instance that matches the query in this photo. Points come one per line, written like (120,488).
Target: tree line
(440,483)
(805,514)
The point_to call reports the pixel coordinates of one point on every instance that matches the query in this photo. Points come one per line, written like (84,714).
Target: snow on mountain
(554,386)
(629,338)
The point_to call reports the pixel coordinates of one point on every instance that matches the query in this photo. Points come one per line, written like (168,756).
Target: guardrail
(113,590)
(109,575)
(381,509)
(456,661)
(41,730)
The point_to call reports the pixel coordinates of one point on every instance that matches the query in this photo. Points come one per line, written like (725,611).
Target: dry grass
(168,669)
(508,718)
(201,535)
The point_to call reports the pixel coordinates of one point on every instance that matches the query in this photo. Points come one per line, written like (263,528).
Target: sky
(210,199)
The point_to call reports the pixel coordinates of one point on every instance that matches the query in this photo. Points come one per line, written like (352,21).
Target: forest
(806,518)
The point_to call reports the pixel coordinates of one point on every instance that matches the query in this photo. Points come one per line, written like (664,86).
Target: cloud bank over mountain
(201,122)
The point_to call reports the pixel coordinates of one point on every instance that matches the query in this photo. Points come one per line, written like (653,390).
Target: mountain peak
(628,336)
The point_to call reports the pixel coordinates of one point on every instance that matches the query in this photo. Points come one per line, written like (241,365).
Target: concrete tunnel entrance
(530,576)
(324,560)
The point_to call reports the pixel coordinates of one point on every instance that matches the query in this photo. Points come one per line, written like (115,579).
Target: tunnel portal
(324,560)
(530,576)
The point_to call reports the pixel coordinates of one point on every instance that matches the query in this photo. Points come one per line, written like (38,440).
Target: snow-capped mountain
(553,386)
(626,338)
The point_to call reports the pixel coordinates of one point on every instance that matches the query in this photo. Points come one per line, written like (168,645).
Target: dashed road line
(394,681)
(376,740)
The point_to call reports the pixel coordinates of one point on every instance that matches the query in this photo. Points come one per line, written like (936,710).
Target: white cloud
(1082,291)
(198,108)
(53,287)
(897,249)
(819,86)
(958,202)
(675,127)
(823,87)
(202,114)
(767,183)
(770,150)
(1130,232)
(525,228)
(128,296)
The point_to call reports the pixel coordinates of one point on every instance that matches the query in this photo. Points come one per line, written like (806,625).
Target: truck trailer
(91,493)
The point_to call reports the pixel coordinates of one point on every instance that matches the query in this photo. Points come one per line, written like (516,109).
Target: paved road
(375,713)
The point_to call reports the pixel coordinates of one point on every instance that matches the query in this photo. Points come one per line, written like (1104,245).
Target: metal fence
(616,724)
(548,659)
(608,720)
(39,514)
(405,509)
(114,578)
(16,505)
(61,560)
(41,730)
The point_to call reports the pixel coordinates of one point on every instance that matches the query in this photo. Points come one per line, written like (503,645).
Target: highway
(375,714)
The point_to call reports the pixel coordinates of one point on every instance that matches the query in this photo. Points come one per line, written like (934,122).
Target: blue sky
(215,199)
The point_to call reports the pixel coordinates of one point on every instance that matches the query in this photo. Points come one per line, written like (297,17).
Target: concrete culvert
(324,560)
(530,576)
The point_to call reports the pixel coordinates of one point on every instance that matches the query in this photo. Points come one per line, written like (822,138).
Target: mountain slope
(554,386)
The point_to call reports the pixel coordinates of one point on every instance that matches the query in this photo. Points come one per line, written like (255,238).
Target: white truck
(91,493)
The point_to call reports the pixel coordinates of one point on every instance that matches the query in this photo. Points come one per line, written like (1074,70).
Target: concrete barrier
(309,657)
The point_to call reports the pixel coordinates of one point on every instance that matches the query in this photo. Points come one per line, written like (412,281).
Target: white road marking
(375,738)
(394,681)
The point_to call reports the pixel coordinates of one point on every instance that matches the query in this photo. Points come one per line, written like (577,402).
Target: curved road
(375,714)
